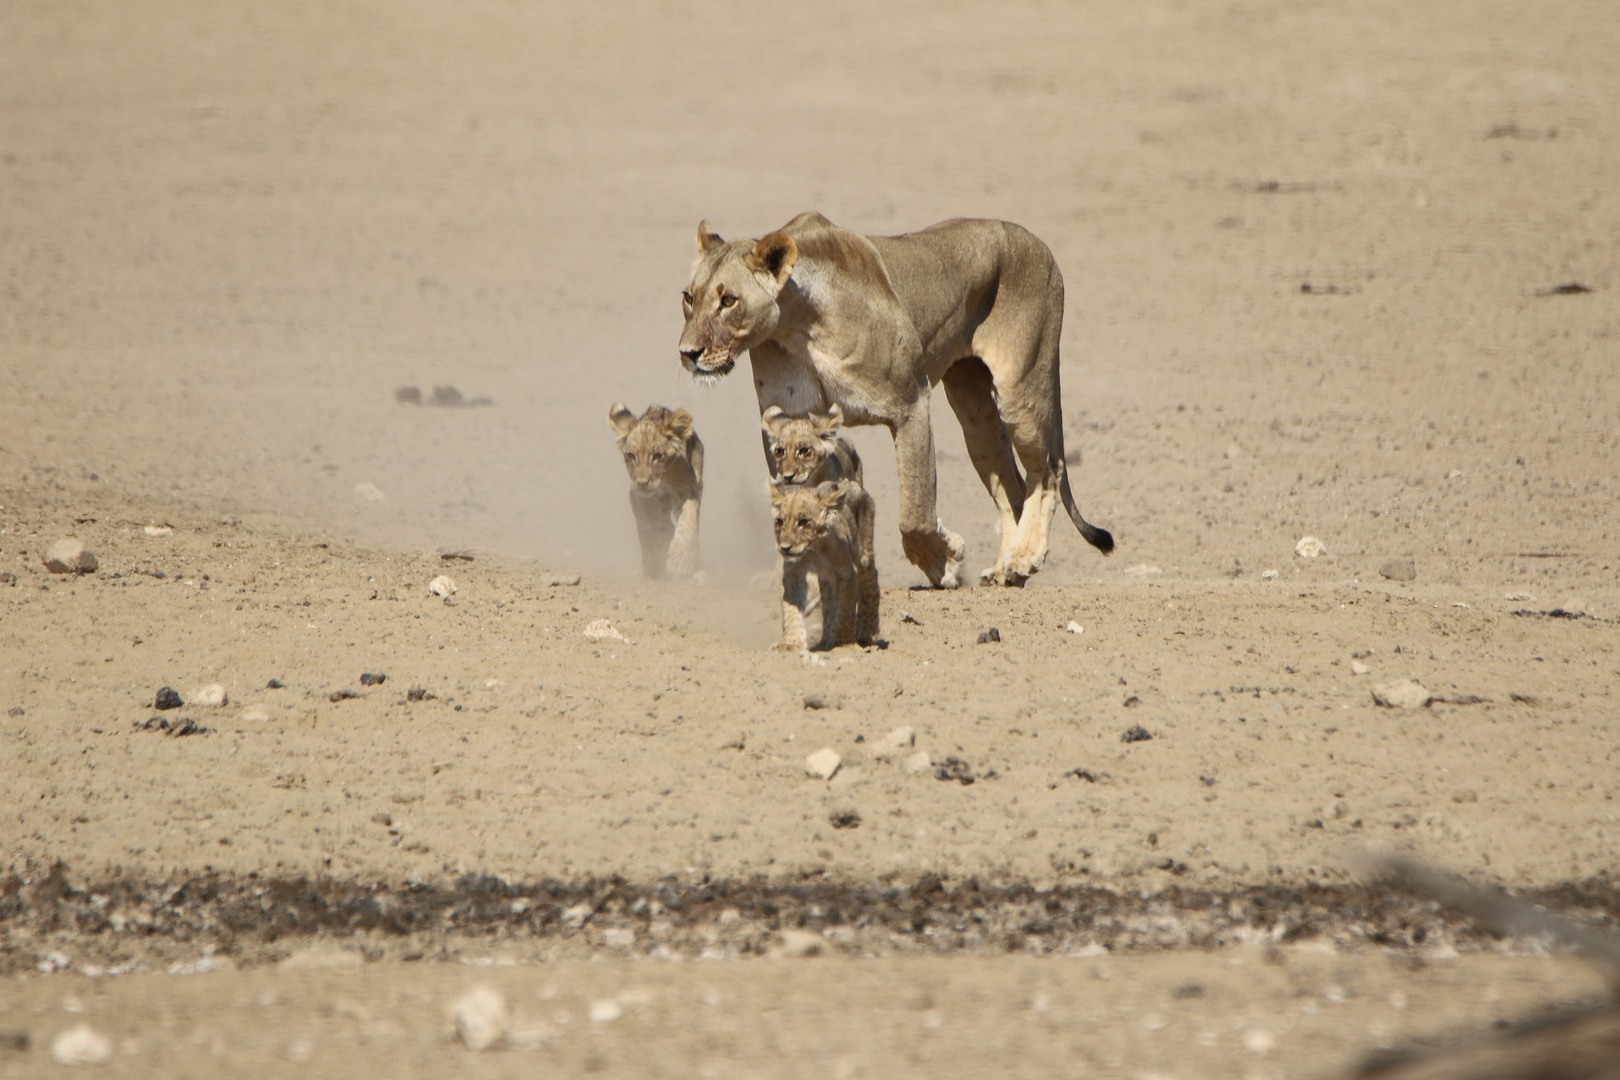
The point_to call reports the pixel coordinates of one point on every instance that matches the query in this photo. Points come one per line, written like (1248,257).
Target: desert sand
(1336,272)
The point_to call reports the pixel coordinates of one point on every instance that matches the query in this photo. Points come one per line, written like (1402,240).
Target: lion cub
(826,529)
(808,449)
(664,458)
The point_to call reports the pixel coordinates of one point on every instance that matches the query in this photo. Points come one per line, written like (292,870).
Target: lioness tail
(1101,539)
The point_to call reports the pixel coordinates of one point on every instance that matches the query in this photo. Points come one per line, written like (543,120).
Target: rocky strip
(51,920)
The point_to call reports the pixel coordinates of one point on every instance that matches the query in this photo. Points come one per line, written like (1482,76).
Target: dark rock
(989,635)
(341,695)
(275,684)
(419,693)
(167,698)
(7,578)
(1085,774)
(845,819)
(408,395)
(368,679)
(1136,733)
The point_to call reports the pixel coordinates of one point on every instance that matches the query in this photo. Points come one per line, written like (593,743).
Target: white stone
(797,943)
(1233,452)
(441,586)
(369,492)
(211,696)
(70,557)
(481,1018)
(1268,575)
(1075,628)
(257,714)
(898,739)
(1358,668)
(1401,694)
(158,530)
(919,762)
(605,1011)
(81,1045)
(1257,1041)
(603,630)
(1309,547)
(823,763)
(618,938)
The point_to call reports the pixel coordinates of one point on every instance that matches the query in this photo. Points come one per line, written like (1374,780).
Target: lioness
(827,529)
(664,458)
(808,449)
(871,323)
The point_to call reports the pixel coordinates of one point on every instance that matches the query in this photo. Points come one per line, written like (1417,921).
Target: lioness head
(799,444)
(802,513)
(731,303)
(650,443)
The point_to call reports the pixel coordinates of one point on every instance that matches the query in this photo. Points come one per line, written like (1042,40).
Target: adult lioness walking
(871,323)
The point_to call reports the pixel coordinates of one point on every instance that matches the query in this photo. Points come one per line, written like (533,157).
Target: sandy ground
(1347,273)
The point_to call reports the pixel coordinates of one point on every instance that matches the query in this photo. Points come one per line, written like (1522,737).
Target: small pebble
(481,1018)
(275,684)
(562,579)
(369,679)
(1358,668)
(822,701)
(1136,733)
(1268,575)
(1309,547)
(1075,628)
(81,1045)
(823,763)
(602,629)
(369,492)
(257,714)
(167,698)
(341,695)
(919,762)
(605,1011)
(618,938)
(1259,1042)
(799,943)
(442,586)
(158,530)
(211,696)
(7,577)
(989,635)
(70,557)
(1401,694)
(900,738)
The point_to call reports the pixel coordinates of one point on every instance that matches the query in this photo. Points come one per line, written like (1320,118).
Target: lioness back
(808,449)
(664,458)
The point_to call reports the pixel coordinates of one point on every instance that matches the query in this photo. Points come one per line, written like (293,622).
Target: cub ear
(774,488)
(707,241)
(621,419)
(832,492)
(826,424)
(774,256)
(679,423)
(772,419)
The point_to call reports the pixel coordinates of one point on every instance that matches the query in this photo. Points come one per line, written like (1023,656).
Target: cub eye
(778,523)
(631,458)
(804,451)
(727,301)
(804,523)
(658,455)
(777,450)
(686,298)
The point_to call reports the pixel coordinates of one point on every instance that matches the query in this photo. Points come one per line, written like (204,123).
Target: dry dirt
(1337,271)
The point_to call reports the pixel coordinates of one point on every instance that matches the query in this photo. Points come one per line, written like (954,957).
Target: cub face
(651,443)
(802,514)
(799,446)
(730,304)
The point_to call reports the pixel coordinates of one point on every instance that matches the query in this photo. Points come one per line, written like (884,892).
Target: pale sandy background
(1311,253)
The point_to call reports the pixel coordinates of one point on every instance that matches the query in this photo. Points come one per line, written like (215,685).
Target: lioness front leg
(935,550)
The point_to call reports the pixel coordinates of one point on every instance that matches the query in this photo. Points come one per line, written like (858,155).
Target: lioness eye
(727,301)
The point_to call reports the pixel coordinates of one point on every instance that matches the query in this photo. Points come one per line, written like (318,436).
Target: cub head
(802,513)
(650,443)
(730,304)
(799,444)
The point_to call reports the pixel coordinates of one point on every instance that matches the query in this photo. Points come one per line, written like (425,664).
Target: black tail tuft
(1101,539)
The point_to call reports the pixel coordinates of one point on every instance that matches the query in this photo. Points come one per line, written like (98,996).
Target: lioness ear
(621,419)
(774,256)
(707,241)
(772,419)
(679,423)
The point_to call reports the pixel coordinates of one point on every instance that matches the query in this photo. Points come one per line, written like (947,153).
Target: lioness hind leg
(971,392)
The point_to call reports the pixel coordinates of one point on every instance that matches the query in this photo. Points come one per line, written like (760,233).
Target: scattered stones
(370,679)
(183,726)
(342,695)
(844,819)
(955,768)
(1309,547)
(823,763)
(800,943)
(1358,668)
(211,696)
(605,1011)
(1401,694)
(989,635)
(823,701)
(1075,628)
(257,714)
(442,586)
(167,698)
(158,530)
(1136,733)
(70,557)
(81,1045)
(895,741)
(603,630)
(369,492)
(1086,774)
(1398,570)
(921,761)
(420,693)
(481,1018)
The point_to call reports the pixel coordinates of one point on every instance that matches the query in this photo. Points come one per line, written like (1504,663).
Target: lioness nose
(692,354)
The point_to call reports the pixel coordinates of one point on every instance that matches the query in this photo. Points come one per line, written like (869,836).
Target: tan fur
(871,324)
(808,449)
(664,458)
(826,529)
